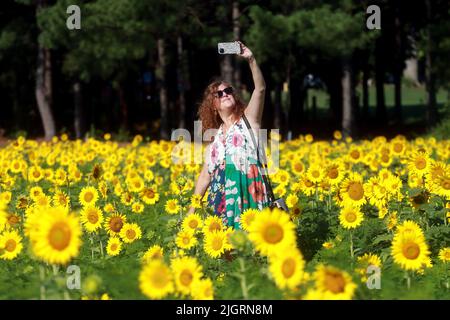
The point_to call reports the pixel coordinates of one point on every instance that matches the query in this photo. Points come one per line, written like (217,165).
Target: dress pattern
(236,182)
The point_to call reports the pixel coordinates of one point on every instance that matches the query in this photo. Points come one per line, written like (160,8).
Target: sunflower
(287,267)
(307,186)
(154,252)
(186,239)
(410,250)
(203,290)
(192,222)
(216,243)
(333,284)
(352,190)
(419,163)
(335,173)
(114,223)
(409,227)
(35,192)
(444,254)
(56,235)
(10,245)
(350,217)
(366,260)
(315,173)
(291,201)
(172,206)
(88,196)
(60,198)
(150,195)
(270,230)
(114,246)
(92,218)
(196,201)
(247,218)
(137,207)
(211,224)
(297,167)
(156,279)
(186,271)
(355,154)
(443,186)
(130,232)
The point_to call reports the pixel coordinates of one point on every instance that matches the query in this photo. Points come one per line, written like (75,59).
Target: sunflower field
(368,219)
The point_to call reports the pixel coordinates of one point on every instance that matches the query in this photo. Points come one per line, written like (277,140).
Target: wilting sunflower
(186,272)
(114,246)
(56,236)
(114,223)
(352,190)
(203,290)
(156,279)
(247,217)
(350,217)
(88,196)
(212,223)
(10,245)
(444,254)
(216,243)
(410,251)
(333,284)
(92,218)
(287,268)
(192,222)
(154,252)
(130,232)
(186,239)
(271,230)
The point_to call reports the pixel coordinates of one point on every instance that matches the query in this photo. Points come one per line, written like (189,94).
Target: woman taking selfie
(231,169)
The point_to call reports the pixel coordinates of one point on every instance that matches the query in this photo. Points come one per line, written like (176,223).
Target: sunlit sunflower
(60,198)
(350,217)
(211,224)
(270,230)
(334,284)
(156,279)
(203,290)
(444,254)
(149,195)
(88,196)
(186,239)
(186,272)
(247,218)
(335,173)
(419,163)
(92,218)
(409,227)
(56,237)
(216,243)
(137,207)
(287,267)
(154,252)
(10,245)
(130,232)
(35,192)
(315,173)
(352,190)
(192,222)
(172,206)
(114,246)
(196,201)
(364,262)
(114,223)
(410,251)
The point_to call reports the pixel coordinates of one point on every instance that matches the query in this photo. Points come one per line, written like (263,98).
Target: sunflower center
(114,247)
(13,219)
(36,174)
(411,250)
(214,226)
(355,191)
(355,154)
(92,217)
(308,183)
(333,173)
(10,245)
(88,196)
(131,234)
(193,224)
(186,240)
(186,278)
(115,224)
(350,217)
(316,174)
(298,167)
(385,158)
(59,236)
(334,282)
(273,234)
(398,147)
(446,184)
(421,163)
(216,244)
(288,268)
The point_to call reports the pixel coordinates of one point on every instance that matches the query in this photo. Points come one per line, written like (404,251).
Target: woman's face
(226,101)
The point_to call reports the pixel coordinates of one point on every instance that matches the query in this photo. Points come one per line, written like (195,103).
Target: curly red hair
(209,118)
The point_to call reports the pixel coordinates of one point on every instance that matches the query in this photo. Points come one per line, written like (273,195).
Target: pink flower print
(214,153)
(256,189)
(252,171)
(237,139)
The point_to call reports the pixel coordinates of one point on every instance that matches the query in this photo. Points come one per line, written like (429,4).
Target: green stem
(42,279)
(351,245)
(243,279)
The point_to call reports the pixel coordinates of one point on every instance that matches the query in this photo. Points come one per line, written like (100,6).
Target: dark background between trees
(140,66)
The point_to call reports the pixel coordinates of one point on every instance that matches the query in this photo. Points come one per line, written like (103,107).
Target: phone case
(229,47)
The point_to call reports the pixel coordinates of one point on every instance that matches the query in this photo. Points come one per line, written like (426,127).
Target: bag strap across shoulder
(264,176)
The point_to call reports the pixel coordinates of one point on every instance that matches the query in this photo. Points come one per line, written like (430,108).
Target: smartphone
(229,47)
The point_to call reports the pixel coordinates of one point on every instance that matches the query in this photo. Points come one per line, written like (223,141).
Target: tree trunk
(379,83)
(347,99)
(79,124)
(163,100)
(237,34)
(181,83)
(431,114)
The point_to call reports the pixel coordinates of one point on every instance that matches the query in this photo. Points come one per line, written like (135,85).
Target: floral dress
(236,182)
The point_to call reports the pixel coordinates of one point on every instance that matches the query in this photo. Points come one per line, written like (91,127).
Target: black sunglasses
(228,90)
